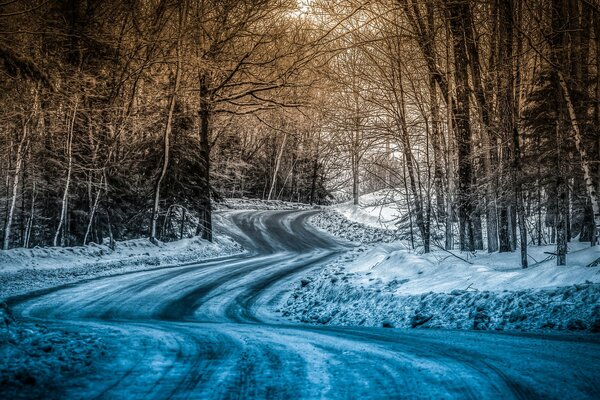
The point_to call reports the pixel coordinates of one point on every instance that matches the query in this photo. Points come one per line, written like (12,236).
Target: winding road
(208,330)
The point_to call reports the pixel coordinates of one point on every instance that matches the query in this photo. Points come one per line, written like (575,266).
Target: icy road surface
(205,331)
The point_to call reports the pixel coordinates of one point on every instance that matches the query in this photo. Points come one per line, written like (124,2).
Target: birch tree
(15,185)
(169,123)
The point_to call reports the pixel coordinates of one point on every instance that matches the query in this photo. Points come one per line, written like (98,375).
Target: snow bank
(331,299)
(379,209)
(35,360)
(334,223)
(388,284)
(24,270)
(258,204)
(442,271)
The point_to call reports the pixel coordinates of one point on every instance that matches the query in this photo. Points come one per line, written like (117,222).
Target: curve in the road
(206,330)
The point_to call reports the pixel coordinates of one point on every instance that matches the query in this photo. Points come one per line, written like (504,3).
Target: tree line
(124,119)
(129,119)
(487,113)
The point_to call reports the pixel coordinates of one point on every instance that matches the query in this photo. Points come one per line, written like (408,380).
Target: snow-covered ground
(257,204)
(388,284)
(334,223)
(24,270)
(442,271)
(35,358)
(354,293)
(379,209)
(381,282)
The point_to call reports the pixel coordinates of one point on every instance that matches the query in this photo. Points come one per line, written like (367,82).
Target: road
(207,330)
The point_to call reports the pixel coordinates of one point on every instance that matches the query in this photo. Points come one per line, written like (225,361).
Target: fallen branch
(550,257)
(594,263)
(451,253)
(469,287)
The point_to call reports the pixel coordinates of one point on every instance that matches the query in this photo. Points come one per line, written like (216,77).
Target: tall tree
(458,15)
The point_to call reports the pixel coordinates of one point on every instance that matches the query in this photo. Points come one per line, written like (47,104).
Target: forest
(137,118)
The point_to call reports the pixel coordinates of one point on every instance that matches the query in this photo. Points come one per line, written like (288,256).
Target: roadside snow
(334,223)
(388,284)
(379,209)
(332,298)
(35,359)
(257,204)
(441,271)
(24,270)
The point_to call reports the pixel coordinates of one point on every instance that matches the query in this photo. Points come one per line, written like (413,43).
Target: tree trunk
(538,184)
(448,231)
(585,163)
(29,225)
(438,154)
(23,219)
(410,166)
(477,229)
(410,223)
(594,240)
(561,199)
(94,209)
(513,221)
(166,143)
(436,136)
(458,11)
(489,157)
(506,116)
(65,198)
(504,228)
(204,229)
(181,230)
(520,208)
(314,174)
(111,239)
(355,181)
(517,18)
(15,186)
(277,166)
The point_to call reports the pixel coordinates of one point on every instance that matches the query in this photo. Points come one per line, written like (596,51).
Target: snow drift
(383,282)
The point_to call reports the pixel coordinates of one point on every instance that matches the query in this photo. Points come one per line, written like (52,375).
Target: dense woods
(125,119)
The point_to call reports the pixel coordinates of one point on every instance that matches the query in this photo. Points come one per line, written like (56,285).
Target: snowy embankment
(381,209)
(34,359)
(390,285)
(257,204)
(24,270)
(339,226)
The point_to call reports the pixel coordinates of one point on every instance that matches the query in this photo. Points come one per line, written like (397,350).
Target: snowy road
(206,331)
